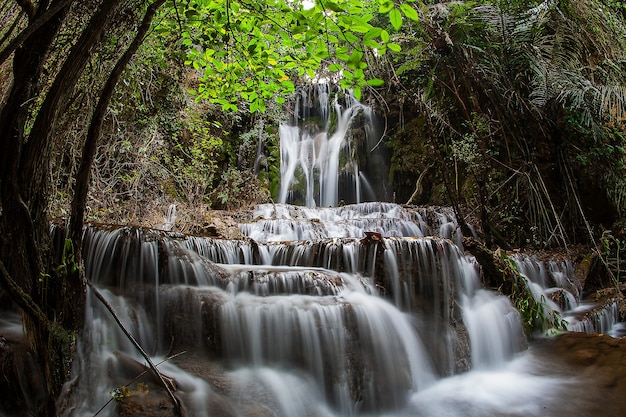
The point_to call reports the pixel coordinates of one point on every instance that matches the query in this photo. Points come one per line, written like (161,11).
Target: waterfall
(326,149)
(359,309)
(554,285)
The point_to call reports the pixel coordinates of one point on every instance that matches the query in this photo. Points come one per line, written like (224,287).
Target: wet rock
(153,404)
(598,363)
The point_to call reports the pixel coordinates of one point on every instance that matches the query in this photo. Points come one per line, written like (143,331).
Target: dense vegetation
(510,111)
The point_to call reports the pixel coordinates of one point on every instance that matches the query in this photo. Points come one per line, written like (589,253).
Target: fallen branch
(139,376)
(139,348)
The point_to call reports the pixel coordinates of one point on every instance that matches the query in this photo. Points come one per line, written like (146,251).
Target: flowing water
(368,309)
(330,151)
(311,317)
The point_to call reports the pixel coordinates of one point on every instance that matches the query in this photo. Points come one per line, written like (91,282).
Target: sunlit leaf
(409,12)
(375,82)
(384,36)
(385,6)
(394,47)
(372,33)
(395,17)
(370,43)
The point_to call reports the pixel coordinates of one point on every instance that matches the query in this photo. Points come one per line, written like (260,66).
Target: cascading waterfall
(368,309)
(322,151)
(361,324)
(554,285)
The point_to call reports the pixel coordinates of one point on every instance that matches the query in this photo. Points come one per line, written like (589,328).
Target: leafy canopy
(254,50)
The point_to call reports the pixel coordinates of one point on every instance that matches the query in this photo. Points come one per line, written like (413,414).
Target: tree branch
(130,337)
(31,28)
(23,300)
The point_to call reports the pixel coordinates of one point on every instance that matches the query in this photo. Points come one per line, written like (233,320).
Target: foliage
(192,159)
(125,391)
(253,51)
(119,393)
(536,315)
(521,101)
(238,189)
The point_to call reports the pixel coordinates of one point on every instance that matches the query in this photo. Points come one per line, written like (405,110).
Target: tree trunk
(82,177)
(50,292)
(24,240)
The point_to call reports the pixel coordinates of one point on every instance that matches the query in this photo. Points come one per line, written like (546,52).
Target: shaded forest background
(512,113)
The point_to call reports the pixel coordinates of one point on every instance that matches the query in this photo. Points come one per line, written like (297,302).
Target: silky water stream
(361,310)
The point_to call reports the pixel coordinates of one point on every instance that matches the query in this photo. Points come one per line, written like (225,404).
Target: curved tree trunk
(49,290)
(24,240)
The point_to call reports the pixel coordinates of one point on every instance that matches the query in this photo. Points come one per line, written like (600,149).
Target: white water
(517,388)
(311,150)
(554,285)
(336,326)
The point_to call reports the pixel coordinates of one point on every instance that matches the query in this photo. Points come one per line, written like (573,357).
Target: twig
(137,377)
(138,346)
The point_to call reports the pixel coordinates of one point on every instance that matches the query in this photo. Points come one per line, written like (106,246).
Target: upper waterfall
(329,151)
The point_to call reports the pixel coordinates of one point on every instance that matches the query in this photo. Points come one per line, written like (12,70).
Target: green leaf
(361,28)
(409,12)
(375,82)
(384,36)
(370,43)
(333,6)
(372,33)
(357,92)
(385,6)
(288,86)
(350,37)
(395,17)
(394,47)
